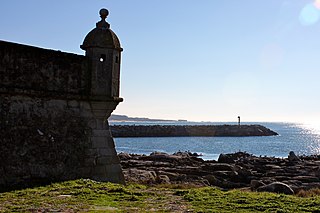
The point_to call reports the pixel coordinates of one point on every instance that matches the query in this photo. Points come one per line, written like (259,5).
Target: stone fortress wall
(53,113)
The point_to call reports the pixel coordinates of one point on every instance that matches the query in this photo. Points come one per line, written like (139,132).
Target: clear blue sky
(208,60)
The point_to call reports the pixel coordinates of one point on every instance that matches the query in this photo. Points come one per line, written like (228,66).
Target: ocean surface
(300,138)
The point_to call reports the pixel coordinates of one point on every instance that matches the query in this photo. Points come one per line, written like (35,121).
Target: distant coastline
(124,118)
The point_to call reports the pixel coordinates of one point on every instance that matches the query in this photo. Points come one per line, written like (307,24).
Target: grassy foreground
(90,196)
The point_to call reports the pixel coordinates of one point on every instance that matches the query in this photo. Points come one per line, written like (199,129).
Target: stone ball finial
(101,36)
(103,13)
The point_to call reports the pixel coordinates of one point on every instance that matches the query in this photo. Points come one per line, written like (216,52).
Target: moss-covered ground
(91,196)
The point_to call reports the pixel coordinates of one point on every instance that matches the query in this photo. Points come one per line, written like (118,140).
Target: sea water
(301,139)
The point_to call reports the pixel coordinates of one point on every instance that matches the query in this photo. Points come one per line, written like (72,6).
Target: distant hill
(126,118)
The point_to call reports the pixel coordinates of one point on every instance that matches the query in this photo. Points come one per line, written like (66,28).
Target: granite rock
(270,174)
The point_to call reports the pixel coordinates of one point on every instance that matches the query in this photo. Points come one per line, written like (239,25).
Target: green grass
(91,196)
(214,200)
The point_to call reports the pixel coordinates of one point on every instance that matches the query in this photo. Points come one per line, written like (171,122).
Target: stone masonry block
(73,103)
(92,123)
(57,104)
(114,173)
(99,142)
(104,160)
(2,181)
(102,142)
(85,172)
(90,162)
(115,160)
(86,113)
(85,105)
(110,142)
(107,160)
(99,171)
(92,152)
(107,152)
(101,125)
(102,105)
(101,133)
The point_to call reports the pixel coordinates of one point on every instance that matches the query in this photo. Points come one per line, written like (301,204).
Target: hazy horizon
(235,120)
(208,61)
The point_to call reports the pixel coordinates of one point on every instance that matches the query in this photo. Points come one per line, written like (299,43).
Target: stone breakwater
(238,170)
(188,130)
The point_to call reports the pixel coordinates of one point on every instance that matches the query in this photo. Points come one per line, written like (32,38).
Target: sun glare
(313,126)
(310,14)
(317,4)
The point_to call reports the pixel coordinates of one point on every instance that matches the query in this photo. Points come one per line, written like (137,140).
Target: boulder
(231,185)
(259,173)
(292,157)
(213,180)
(187,154)
(171,175)
(159,153)
(163,179)
(140,176)
(227,175)
(124,156)
(306,178)
(317,172)
(244,174)
(276,187)
(218,167)
(255,184)
(223,158)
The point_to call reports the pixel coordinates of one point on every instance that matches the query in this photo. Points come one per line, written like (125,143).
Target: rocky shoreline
(189,130)
(230,171)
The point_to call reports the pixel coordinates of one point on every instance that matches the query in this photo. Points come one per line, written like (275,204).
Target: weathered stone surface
(107,152)
(38,71)
(141,176)
(293,157)
(218,167)
(163,179)
(276,187)
(255,184)
(53,113)
(101,133)
(41,137)
(102,142)
(223,158)
(258,173)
